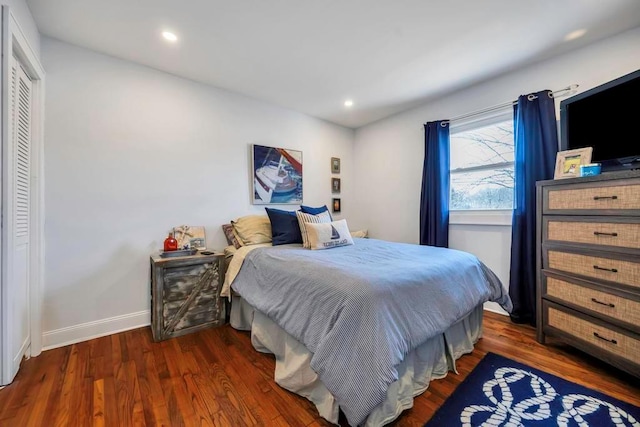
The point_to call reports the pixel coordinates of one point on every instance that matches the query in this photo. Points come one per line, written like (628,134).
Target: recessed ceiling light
(575,35)
(169,36)
(348,103)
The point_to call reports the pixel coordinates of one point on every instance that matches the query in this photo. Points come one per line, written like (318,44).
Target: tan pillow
(360,233)
(252,229)
(305,218)
(329,235)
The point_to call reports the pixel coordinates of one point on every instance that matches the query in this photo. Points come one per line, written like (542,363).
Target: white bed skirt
(432,360)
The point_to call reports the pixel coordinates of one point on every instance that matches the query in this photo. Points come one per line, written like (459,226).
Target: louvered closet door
(18,233)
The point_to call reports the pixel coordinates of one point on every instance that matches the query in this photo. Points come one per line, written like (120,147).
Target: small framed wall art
(568,162)
(335,165)
(335,185)
(335,204)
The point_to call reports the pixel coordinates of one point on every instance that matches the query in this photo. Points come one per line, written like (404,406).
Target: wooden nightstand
(185,294)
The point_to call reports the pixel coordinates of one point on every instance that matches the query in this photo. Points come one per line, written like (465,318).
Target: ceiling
(310,56)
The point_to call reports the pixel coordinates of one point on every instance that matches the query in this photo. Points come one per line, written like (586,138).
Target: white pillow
(329,235)
(305,218)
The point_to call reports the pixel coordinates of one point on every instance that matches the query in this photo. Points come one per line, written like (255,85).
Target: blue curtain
(434,198)
(536,145)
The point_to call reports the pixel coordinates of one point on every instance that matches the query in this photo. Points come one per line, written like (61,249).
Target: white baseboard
(95,329)
(113,325)
(21,354)
(494,308)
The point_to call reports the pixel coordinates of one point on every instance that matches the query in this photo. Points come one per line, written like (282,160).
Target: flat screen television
(606,118)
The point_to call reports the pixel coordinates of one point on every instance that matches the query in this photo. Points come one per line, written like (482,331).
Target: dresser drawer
(612,270)
(617,307)
(619,234)
(621,197)
(603,337)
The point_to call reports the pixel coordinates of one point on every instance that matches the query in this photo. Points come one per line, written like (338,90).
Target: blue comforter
(361,308)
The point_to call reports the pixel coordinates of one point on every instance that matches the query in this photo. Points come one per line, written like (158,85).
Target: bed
(360,328)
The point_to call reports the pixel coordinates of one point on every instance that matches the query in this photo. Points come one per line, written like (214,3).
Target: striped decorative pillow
(304,218)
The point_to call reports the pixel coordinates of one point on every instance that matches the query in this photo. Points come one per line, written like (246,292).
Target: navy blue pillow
(284,227)
(315,211)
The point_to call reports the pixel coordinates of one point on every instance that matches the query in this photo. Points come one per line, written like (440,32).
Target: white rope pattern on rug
(505,413)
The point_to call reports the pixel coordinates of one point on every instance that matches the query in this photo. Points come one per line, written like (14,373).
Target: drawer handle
(612,341)
(608,304)
(598,233)
(613,270)
(604,197)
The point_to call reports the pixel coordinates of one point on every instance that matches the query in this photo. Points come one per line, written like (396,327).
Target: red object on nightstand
(170,243)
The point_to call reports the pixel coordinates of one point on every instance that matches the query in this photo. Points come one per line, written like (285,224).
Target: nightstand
(185,294)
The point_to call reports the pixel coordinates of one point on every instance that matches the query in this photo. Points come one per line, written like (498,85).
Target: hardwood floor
(216,378)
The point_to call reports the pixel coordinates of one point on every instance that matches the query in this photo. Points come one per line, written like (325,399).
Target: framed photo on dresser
(568,162)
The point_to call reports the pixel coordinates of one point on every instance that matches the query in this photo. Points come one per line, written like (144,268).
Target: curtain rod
(531,97)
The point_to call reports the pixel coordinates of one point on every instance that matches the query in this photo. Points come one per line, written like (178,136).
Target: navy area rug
(503,392)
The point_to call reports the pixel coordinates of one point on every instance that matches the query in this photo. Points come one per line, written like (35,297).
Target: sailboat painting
(277,175)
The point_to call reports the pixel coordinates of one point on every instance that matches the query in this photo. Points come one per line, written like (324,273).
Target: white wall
(131,152)
(389,153)
(21,12)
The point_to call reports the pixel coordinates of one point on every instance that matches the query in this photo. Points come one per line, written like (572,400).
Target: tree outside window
(482,166)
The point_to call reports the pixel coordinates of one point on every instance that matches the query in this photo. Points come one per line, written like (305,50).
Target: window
(482,159)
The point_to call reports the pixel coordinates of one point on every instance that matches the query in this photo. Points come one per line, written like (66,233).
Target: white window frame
(497,217)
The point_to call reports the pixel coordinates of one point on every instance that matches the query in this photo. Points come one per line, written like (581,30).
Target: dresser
(588,282)
(185,294)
